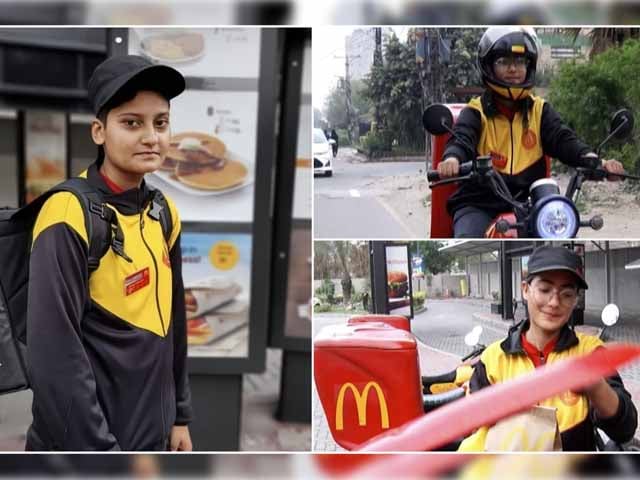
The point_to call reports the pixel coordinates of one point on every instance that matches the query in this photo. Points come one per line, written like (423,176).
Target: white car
(322,154)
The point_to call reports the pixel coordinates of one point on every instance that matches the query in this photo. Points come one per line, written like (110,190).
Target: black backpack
(16,229)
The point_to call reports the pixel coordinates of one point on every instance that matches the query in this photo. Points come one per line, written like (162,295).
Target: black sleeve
(66,406)
(468,128)
(479,378)
(184,411)
(622,426)
(559,141)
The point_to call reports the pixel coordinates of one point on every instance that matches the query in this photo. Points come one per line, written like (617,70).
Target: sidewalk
(259,431)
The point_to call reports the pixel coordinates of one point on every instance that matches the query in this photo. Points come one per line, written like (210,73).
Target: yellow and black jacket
(506,360)
(106,351)
(517,148)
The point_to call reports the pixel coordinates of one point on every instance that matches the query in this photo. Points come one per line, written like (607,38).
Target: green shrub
(323,307)
(587,94)
(375,144)
(326,291)
(418,300)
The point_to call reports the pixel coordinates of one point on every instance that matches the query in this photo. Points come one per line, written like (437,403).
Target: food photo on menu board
(210,168)
(45,151)
(398,287)
(216,270)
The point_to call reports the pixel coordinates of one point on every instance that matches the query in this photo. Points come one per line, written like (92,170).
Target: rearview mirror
(472,338)
(621,124)
(610,314)
(437,119)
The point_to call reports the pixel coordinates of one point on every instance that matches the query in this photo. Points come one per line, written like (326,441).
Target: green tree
(433,260)
(395,88)
(461,71)
(603,39)
(343,250)
(586,95)
(335,107)
(361,103)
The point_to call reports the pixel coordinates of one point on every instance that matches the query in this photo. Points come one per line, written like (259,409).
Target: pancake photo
(174,47)
(200,163)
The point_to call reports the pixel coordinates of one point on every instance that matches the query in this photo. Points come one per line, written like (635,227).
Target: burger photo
(397,286)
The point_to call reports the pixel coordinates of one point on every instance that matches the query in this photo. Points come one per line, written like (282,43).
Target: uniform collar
(513,343)
(129,202)
(490,108)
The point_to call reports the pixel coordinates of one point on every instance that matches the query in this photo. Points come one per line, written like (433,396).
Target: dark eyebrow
(565,285)
(133,114)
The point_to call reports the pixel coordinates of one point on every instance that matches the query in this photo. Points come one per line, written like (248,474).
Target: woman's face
(136,135)
(551,297)
(511,70)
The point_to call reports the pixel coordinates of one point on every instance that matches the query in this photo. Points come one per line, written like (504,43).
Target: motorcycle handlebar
(465,169)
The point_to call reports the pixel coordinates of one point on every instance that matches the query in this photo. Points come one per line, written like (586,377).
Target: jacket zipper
(511,135)
(155,266)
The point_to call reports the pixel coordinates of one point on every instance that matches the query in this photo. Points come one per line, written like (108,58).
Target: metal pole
(608,262)
(506,283)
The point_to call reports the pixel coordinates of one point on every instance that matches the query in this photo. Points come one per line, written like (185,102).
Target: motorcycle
(444,388)
(545,213)
(334,146)
(610,315)
(364,372)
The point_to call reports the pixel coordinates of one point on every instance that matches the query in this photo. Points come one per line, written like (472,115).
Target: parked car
(321,154)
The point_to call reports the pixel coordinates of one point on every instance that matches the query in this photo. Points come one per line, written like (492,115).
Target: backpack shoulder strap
(96,217)
(160,211)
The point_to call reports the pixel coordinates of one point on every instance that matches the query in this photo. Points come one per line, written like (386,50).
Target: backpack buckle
(97,208)
(117,245)
(117,242)
(104,212)
(154,211)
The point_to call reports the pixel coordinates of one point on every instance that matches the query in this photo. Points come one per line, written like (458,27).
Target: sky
(328,42)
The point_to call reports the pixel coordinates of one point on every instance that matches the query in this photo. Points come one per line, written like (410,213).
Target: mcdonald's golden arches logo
(361,404)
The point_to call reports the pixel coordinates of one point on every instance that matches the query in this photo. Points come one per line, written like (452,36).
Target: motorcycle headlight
(555,217)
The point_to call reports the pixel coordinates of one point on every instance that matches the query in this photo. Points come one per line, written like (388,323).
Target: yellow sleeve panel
(588,343)
(175,218)
(61,207)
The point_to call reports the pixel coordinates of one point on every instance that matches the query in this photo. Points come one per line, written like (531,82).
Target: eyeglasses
(543,294)
(507,62)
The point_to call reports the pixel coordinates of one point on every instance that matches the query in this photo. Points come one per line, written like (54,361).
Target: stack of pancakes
(174,46)
(199,161)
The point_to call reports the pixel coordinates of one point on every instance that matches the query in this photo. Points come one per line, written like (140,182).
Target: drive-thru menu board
(210,174)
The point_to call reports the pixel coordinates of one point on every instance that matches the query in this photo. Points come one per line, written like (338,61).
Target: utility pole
(352,125)
(377,61)
(430,76)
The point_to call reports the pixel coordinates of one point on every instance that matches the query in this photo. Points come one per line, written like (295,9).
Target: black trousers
(471,222)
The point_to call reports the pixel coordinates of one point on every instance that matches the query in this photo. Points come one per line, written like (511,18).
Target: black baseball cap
(548,258)
(112,75)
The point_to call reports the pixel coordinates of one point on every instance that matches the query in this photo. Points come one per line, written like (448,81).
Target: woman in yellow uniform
(107,336)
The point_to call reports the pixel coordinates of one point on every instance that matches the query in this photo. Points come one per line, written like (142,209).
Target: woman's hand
(449,167)
(180,440)
(613,166)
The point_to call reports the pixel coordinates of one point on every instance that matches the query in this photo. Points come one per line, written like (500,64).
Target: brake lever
(447,181)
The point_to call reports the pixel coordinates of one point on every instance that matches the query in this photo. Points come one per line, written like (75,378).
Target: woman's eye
(131,123)
(162,123)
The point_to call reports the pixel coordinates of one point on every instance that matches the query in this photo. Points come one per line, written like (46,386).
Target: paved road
(446,322)
(348,204)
